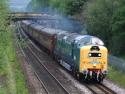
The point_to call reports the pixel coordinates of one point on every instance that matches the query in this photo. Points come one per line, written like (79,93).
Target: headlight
(94,54)
(90,54)
(99,55)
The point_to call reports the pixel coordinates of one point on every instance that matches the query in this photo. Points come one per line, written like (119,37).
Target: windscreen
(89,41)
(96,41)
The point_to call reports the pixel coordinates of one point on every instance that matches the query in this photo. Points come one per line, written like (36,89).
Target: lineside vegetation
(11,78)
(116,76)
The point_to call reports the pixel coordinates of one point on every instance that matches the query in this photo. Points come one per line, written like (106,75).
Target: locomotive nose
(93,57)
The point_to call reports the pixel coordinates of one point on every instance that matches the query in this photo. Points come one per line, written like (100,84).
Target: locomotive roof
(51,31)
(80,39)
(37,27)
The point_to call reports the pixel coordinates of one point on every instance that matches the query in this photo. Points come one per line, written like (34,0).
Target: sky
(18,5)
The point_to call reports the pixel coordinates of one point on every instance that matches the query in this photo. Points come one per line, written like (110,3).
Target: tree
(98,17)
(74,6)
(118,31)
(3,14)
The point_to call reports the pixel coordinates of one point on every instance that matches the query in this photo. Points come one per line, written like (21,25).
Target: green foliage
(74,6)
(106,19)
(69,7)
(3,38)
(118,44)
(56,3)
(14,78)
(118,31)
(12,75)
(98,15)
(3,14)
(116,76)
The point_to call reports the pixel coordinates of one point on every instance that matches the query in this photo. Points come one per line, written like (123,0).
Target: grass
(117,77)
(9,66)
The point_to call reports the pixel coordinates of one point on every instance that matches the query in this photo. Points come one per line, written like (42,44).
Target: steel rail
(66,92)
(99,89)
(24,54)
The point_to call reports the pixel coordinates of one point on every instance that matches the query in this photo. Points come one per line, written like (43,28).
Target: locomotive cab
(92,58)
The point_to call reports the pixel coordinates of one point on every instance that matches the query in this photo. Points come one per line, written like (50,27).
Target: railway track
(105,89)
(22,51)
(48,81)
(95,88)
(99,88)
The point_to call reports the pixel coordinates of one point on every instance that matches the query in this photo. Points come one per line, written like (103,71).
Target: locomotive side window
(86,41)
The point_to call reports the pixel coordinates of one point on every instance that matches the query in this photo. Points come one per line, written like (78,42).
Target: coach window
(87,41)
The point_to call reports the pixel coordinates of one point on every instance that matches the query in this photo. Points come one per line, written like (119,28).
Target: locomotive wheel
(100,80)
(78,76)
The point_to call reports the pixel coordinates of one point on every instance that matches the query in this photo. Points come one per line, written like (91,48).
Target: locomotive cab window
(84,41)
(97,41)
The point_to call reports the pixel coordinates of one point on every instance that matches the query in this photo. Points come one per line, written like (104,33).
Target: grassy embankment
(116,76)
(11,77)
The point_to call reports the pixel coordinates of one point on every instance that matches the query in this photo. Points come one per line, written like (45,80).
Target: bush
(74,6)
(118,44)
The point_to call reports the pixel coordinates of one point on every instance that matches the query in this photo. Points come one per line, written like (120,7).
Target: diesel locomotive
(84,55)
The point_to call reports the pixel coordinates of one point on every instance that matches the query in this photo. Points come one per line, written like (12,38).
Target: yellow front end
(93,60)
